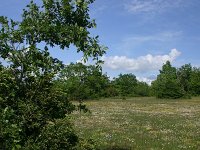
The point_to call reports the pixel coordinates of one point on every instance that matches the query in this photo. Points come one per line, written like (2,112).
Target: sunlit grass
(142,123)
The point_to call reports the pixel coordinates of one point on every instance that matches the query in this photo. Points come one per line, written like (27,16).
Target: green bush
(10,130)
(55,135)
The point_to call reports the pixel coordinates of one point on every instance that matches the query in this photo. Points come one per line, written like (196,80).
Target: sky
(141,35)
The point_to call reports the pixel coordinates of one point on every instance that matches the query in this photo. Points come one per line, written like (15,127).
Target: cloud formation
(140,64)
(152,6)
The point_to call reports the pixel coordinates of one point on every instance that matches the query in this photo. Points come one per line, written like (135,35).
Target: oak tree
(32,109)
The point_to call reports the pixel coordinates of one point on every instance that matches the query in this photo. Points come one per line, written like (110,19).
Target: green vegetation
(167,84)
(172,82)
(82,82)
(36,90)
(141,123)
(33,111)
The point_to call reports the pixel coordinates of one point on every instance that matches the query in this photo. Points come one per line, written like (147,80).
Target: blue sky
(140,34)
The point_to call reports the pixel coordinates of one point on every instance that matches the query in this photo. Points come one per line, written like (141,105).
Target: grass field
(141,123)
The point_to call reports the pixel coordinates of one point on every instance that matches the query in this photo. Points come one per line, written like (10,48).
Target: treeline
(82,82)
(88,82)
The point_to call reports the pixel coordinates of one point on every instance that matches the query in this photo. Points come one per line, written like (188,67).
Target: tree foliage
(177,83)
(167,85)
(31,106)
(125,84)
(82,82)
(195,82)
(142,89)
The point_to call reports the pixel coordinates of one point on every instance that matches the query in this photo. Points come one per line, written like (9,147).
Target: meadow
(141,123)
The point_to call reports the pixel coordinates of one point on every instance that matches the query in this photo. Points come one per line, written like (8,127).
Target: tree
(195,81)
(125,84)
(142,89)
(184,77)
(166,85)
(82,82)
(32,109)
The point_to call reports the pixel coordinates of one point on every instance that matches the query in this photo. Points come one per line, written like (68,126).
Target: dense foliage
(167,85)
(125,84)
(33,111)
(82,82)
(177,82)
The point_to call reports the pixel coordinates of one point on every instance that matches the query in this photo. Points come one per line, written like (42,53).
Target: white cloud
(152,6)
(140,64)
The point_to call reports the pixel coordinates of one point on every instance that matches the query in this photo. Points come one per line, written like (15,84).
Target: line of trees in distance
(82,82)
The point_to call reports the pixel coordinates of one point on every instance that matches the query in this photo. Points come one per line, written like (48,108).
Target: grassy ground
(142,123)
